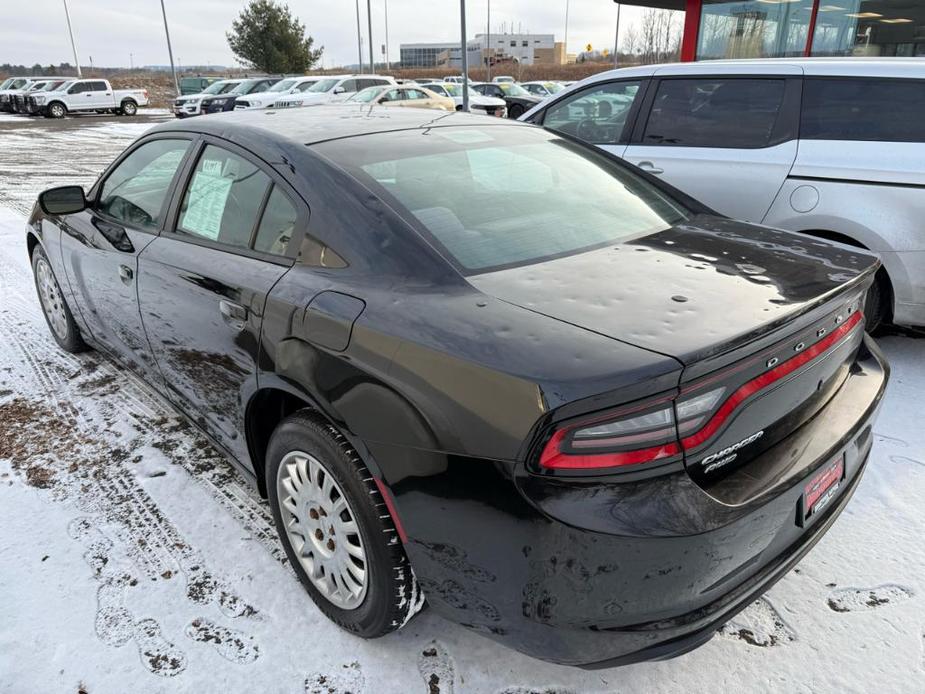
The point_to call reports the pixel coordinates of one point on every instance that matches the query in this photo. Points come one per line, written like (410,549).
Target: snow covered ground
(134,559)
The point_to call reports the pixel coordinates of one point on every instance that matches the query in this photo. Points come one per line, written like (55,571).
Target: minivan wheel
(57,313)
(337,530)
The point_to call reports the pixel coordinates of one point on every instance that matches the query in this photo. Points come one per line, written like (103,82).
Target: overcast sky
(34,31)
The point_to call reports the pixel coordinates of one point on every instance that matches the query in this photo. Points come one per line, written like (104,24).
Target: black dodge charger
(482,364)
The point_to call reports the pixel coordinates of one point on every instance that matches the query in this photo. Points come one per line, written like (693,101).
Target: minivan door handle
(233,314)
(649,167)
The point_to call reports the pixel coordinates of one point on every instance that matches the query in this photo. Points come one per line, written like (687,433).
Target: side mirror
(63,200)
(340,90)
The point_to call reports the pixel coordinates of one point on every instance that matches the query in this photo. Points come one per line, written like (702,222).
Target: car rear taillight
(660,429)
(624,437)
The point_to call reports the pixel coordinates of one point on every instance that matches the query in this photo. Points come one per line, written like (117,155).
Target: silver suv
(833,148)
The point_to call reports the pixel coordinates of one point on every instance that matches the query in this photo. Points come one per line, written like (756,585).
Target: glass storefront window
(753,29)
(870,28)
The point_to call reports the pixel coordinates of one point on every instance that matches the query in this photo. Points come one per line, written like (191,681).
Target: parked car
(596,419)
(280,90)
(833,148)
(503,78)
(406,96)
(14,86)
(479,104)
(197,84)
(219,103)
(18,98)
(29,107)
(542,89)
(333,89)
(191,104)
(454,79)
(517,99)
(82,96)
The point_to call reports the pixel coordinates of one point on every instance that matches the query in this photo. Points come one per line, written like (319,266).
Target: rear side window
(734,113)
(135,191)
(223,199)
(277,224)
(97,87)
(878,110)
(597,114)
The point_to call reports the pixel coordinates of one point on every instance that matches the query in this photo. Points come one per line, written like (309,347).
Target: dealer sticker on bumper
(823,487)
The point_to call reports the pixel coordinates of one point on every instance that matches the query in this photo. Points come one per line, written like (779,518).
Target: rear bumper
(600,573)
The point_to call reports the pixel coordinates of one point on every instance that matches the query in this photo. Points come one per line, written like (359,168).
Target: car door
(204,281)
(393,97)
(81,97)
(603,114)
(726,140)
(101,94)
(100,246)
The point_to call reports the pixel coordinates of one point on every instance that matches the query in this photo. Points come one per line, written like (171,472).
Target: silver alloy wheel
(128,108)
(322,529)
(57,111)
(50,296)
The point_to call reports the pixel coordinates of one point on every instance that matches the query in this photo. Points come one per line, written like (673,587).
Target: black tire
(392,594)
(56,110)
(877,305)
(69,340)
(515,111)
(128,108)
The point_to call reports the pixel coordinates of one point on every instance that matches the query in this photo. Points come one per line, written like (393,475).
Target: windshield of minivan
(494,197)
(323,85)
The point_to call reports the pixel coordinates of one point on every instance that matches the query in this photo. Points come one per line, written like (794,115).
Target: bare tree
(659,36)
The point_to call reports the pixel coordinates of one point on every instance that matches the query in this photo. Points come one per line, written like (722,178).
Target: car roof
(306,126)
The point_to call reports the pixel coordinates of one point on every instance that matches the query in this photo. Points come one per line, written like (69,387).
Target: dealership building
(527,49)
(785,28)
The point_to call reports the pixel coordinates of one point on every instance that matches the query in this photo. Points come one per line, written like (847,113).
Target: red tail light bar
(630,438)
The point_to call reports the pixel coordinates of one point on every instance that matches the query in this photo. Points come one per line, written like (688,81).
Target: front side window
(735,113)
(349,85)
(492,197)
(136,190)
(393,95)
(597,115)
(79,88)
(879,110)
(754,28)
(223,198)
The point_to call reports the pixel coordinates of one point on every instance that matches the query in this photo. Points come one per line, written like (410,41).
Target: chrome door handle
(649,167)
(233,314)
(126,274)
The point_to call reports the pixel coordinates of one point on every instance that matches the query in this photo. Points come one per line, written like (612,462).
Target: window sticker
(207,197)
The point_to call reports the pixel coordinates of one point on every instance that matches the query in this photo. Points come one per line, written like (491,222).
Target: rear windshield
(498,196)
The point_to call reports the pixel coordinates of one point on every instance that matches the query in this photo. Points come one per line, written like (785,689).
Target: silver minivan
(831,147)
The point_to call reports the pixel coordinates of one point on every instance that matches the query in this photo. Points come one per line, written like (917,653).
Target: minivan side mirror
(63,200)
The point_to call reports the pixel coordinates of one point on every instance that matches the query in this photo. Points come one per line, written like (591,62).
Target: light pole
(369,20)
(565,39)
(173,69)
(70,32)
(488,40)
(465,56)
(359,40)
(616,36)
(388,65)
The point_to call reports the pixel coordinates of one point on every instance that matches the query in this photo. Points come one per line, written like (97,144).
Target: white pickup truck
(78,96)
